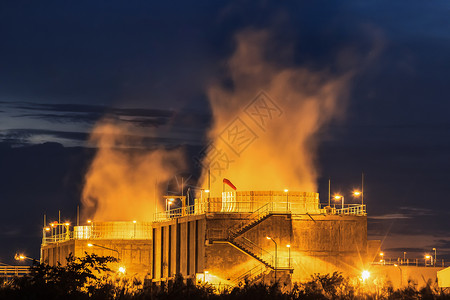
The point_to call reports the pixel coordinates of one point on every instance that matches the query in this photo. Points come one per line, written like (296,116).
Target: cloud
(81,113)
(389,217)
(75,121)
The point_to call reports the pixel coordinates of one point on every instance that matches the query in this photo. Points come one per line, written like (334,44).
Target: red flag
(229,183)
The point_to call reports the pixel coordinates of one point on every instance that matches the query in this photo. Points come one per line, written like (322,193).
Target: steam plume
(121,183)
(279,149)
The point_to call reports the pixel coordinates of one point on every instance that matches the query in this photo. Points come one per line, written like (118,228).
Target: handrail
(10,271)
(253,216)
(255,271)
(257,250)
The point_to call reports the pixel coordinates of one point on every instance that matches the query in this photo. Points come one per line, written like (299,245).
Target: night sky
(66,65)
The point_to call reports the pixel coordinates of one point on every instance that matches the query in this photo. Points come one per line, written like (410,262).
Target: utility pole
(362,188)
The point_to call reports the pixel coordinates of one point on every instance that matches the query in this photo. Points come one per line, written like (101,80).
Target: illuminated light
(89,221)
(286,190)
(381,260)
(51,224)
(19,257)
(268,237)
(427,256)
(337,197)
(381,253)
(206,191)
(365,275)
(90,245)
(356,193)
(134,221)
(122,270)
(395,265)
(67,223)
(47,228)
(206,272)
(289,246)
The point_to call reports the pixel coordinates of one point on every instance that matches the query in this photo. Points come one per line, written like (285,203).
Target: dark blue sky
(63,66)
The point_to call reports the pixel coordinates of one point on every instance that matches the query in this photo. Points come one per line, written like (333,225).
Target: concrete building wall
(179,247)
(197,244)
(134,255)
(401,276)
(319,244)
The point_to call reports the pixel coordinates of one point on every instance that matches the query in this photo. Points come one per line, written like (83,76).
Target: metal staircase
(252,275)
(255,251)
(235,237)
(258,216)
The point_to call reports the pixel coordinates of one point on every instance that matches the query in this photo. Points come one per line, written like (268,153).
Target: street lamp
(289,264)
(276,255)
(22,257)
(427,256)
(337,197)
(365,275)
(287,199)
(381,255)
(169,202)
(434,264)
(100,246)
(401,274)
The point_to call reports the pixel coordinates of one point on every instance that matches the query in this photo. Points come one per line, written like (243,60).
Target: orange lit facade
(244,235)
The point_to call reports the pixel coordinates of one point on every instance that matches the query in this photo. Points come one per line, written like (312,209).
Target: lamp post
(337,197)
(289,250)
(289,264)
(427,256)
(401,274)
(22,257)
(100,246)
(287,199)
(276,255)
(169,202)
(434,262)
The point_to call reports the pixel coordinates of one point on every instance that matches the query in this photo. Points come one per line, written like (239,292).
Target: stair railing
(250,274)
(259,213)
(250,247)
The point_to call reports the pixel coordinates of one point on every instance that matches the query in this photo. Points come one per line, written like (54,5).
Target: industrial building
(243,235)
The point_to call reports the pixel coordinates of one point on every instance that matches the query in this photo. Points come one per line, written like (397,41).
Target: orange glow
(89,221)
(47,228)
(365,275)
(274,120)
(381,253)
(19,257)
(124,180)
(286,190)
(356,193)
(427,256)
(90,245)
(122,270)
(337,197)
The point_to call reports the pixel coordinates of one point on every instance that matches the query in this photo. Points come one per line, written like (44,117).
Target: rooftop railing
(103,231)
(253,207)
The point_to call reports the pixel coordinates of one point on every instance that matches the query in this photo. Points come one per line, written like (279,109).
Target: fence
(104,230)
(14,271)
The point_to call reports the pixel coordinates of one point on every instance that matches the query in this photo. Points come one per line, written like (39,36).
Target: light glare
(365,275)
